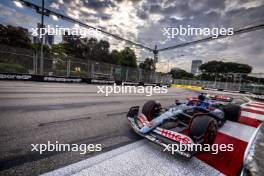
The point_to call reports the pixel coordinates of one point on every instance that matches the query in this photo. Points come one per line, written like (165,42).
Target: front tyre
(204,128)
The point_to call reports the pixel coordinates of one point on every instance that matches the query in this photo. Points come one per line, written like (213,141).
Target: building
(47,39)
(34,39)
(65,37)
(195,66)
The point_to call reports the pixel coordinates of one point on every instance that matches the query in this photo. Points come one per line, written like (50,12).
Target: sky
(142,21)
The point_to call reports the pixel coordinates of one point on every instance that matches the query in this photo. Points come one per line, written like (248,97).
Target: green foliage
(148,64)
(128,57)
(12,68)
(46,48)
(13,63)
(99,51)
(223,71)
(58,49)
(180,74)
(72,46)
(225,67)
(85,48)
(115,57)
(14,36)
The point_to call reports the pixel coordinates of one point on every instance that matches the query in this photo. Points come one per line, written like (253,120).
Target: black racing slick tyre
(151,109)
(232,112)
(203,129)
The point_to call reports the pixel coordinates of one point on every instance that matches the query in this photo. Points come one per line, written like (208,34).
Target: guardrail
(23,61)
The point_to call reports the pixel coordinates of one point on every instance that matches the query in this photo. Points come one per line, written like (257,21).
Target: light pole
(41,39)
(155,52)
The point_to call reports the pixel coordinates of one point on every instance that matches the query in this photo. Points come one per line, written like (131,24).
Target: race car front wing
(167,139)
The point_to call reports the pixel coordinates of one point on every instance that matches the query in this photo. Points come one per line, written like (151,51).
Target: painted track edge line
(84,164)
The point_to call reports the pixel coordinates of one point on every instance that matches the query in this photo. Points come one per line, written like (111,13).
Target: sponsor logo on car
(175,136)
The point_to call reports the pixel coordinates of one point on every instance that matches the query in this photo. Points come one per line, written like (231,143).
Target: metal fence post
(68,67)
(36,62)
(92,71)
(139,75)
(111,72)
(126,74)
(150,77)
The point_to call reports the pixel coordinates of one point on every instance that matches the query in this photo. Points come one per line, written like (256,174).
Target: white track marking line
(139,158)
(258,105)
(131,159)
(252,115)
(238,130)
(76,167)
(253,108)
(143,158)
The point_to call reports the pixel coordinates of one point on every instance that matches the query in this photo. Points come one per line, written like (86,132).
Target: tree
(46,49)
(88,50)
(225,67)
(115,57)
(100,51)
(177,73)
(148,64)
(58,49)
(223,71)
(14,36)
(85,48)
(74,46)
(128,57)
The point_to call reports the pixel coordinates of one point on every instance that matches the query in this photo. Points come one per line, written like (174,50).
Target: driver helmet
(201,97)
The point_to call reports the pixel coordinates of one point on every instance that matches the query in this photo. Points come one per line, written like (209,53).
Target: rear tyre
(232,112)
(204,128)
(151,109)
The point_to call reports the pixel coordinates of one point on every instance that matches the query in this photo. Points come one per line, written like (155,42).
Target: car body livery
(193,122)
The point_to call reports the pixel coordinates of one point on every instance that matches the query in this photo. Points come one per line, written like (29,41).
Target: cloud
(9,16)
(143,24)
(142,21)
(55,5)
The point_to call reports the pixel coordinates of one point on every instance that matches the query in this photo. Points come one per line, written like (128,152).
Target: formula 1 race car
(193,122)
(220,97)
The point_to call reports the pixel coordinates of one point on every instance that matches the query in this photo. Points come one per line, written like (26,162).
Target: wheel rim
(211,133)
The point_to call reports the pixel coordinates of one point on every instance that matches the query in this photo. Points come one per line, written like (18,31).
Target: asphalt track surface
(32,113)
(145,158)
